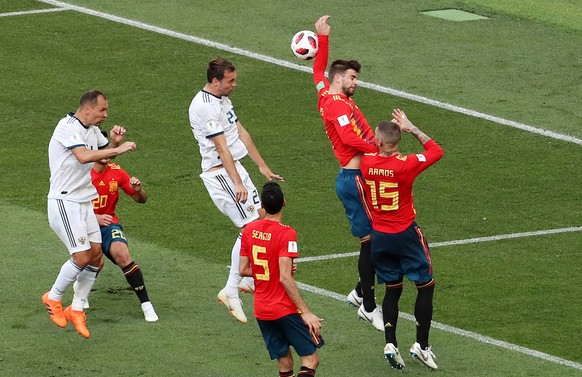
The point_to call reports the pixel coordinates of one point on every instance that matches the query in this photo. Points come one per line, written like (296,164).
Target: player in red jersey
(350,137)
(399,248)
(267,252)
(108,178)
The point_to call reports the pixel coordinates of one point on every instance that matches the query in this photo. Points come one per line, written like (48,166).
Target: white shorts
(74,223)
(221,190)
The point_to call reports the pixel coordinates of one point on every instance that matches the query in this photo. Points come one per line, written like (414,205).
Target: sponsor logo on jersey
(343,120)
(292,247)
(101,183)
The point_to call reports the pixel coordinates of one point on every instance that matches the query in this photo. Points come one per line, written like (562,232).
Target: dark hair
(341,66)
(272,198)
(217,67)
(90,97)
(389,132)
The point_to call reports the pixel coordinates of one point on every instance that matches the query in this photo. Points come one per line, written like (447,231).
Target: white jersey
(71,180)
(211,116)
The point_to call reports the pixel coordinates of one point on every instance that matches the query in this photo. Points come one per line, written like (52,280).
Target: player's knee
(396,284)
(311,361)
(427,284)
(120,254)
(82,258)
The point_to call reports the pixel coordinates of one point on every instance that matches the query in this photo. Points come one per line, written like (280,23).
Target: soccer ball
(304,44)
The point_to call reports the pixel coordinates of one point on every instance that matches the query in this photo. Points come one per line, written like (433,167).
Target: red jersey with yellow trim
(264,242)
(387,186)
(107,185)
(345,124)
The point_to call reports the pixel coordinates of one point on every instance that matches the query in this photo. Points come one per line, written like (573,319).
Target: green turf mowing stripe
(455,15)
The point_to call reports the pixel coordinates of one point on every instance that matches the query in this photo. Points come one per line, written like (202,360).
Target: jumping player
(350,137)
(223,142)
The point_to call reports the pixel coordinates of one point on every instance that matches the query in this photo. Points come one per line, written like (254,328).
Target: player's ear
(284,202)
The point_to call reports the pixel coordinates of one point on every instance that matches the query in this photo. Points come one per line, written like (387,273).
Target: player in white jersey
(76,143)
(223,141)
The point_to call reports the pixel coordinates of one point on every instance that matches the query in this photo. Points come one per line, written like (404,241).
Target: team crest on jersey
(82,240)
(113,186)
(251,209)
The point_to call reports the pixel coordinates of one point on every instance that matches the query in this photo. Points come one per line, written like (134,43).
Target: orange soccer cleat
(77,318)
(55,310)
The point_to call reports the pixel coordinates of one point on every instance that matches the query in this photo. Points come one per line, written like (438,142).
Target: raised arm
(85,155)
(433,151)
(320,63)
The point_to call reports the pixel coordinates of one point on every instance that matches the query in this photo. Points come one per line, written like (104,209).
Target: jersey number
(380,191)
(117,233)
(100,202)
(261,262)
(230,115)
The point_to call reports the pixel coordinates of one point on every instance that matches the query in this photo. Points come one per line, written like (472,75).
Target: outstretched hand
(117,134)
(321,26)
(269,174)
(400,118)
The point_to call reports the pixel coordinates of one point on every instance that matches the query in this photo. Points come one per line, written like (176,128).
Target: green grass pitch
(494,180)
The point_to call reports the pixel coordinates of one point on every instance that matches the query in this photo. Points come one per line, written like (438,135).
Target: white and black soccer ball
(304,44)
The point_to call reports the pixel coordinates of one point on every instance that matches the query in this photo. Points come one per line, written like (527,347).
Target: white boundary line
(50,10)
(297,67)
(457,242)
(450,107)
(460,332)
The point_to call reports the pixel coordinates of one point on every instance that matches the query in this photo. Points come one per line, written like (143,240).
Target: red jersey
(264,242)
(387,186)
(107,185)
(345,124)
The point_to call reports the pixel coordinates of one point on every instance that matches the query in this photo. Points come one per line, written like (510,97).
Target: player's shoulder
(114,166)
(286,229)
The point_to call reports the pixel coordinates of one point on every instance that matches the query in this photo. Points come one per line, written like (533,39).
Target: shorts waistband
(350,171)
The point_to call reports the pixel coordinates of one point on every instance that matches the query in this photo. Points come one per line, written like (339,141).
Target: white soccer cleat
(426,356)
(354,299)
(247,285)
(375,317)
(86,303)
(148,312)
(234,305)
(392,354)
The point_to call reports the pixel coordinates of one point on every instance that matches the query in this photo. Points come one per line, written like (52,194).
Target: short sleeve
(102,141)
(288,244)
(67,137)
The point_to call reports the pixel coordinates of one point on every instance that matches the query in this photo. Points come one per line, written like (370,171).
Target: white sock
(234,277)
(67,275)
(85,281)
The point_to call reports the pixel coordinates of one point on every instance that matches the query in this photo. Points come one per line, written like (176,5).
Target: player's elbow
(284,279)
